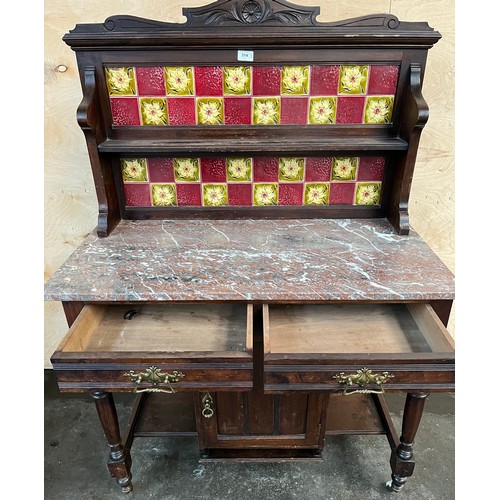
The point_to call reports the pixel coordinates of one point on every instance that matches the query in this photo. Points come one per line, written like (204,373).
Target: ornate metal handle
(154,375)
(361,378)
(208,406)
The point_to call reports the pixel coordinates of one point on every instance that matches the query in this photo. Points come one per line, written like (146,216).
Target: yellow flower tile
(187,169)
(266,110)
(295,80)
(237,80)
(317,193)
(265,194)
(239,169)
(154,111)
(368,193)
(214,195)
(164,195)
(353,79)
(344,169)
(378,109)
(179,80)
(134,170)
(210,110)
(291,169)
(121,81)
(322,110)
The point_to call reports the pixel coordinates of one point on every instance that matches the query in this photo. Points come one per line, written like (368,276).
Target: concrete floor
(354,467)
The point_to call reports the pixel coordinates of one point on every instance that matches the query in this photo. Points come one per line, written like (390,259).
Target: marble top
(252,260)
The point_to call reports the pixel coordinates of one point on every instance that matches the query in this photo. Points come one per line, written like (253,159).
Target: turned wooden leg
(402,461)
(119,461)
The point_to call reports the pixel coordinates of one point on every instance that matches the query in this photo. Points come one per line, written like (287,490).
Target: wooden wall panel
(70,201)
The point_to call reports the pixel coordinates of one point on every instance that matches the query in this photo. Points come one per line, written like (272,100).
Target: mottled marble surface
(260,260)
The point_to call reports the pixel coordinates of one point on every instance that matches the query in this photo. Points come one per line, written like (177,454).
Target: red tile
(371,168)
(290,194)
(150,81)
(318,169)
(238,110)
(188,195)
(266,80)
(350,109)
(342,193)
(213,169)
(208,80)
(125,110)
(294,110)
(161,169)
(383,80)
(137,195)
(239,194)
(265,169)
(324,80)
(181,110)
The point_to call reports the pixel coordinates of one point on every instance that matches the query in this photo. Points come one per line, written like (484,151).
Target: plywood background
(70,203)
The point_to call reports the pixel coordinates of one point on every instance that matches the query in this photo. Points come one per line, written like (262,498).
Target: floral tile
(208,80)
(383,79)
(239,194)
(179,81)
(265,194)
(368,193)
(163,195)
(379,110)
(210,111)
(238,111)
(266,80)
(239,170)
(318,169)
(188,195)
(237,80)
(344,169)
(353,79)
(137,195)
(214,195)
(266,110)
(213,169)
(295,80)
(181,111)
(265,169)
(121,81)
(350,109)
(316,193)
(291,169)
(371,168)
(342,193)
(324,80)
(291,194)
(322,110)
(154,111)
(187,169)
(161,169)
(150,81)
(294,110)
(125,111)
(134,170)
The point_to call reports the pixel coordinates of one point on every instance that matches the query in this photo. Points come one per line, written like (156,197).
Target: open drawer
(356,348)
(157,348)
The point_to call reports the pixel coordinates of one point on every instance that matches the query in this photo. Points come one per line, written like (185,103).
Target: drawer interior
(354,328)
(173,328)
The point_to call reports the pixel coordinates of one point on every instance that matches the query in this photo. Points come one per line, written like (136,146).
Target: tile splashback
(258,181)
(252,95)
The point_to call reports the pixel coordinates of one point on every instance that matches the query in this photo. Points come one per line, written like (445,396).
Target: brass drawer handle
(361,378)
(208,406)
(154,375)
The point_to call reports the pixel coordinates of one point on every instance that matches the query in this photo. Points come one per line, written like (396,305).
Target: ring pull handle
(207,406)
(361,378)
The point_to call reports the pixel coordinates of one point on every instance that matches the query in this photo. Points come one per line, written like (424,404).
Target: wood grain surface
(70,204)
